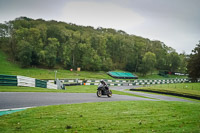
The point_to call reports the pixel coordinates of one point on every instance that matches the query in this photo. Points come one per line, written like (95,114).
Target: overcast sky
(174,22)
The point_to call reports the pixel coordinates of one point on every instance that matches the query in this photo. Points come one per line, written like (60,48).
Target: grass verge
(123,116)
(184,89)
(190,99)
(69,89)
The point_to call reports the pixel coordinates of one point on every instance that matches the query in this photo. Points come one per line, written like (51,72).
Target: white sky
(174,22)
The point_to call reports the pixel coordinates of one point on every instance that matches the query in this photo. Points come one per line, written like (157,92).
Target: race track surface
(10,100)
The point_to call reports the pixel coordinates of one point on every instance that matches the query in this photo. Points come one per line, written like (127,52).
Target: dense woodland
(53,44)
(194,63)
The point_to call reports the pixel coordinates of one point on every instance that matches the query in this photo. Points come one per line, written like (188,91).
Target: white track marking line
(15,108)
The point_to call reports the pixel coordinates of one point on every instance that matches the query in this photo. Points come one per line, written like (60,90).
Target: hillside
(50,44)
(10,68)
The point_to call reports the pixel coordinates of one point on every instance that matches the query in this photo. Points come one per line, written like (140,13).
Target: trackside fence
(7,80)
(124,82)
(10,80)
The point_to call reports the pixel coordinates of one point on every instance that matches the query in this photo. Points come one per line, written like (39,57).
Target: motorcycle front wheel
(99,93)
(110,93)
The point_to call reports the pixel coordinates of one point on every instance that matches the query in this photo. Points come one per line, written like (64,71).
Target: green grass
(189,99)
(108,117)
(69,89)
(93,89)
(180,88)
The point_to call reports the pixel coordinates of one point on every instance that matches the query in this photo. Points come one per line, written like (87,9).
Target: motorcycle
(103,89)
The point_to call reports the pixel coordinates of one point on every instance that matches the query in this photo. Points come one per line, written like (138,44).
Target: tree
(42,57)
(174,61)
(183,63)
(51,52)
(34,39)
(91,60)
(25,53)
(148,63)
(194,63)
(43,32)
(107,64)
(55,31)
(68,45)
(158,48)
(65,56)
(3,35)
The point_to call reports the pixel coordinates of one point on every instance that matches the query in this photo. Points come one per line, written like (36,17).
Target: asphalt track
(10,100)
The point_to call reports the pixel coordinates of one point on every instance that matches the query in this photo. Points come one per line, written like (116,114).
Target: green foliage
(148,63)
(91,61)
(194,63)
(50,51)
(107,64)
(71,46)
(25,53)
(14,69)
(174,61)
(183,63)
(3,34)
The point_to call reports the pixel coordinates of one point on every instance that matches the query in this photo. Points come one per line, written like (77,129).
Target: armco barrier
(40,83)
(10,80)
(125,82)
(25,81)
(51,86)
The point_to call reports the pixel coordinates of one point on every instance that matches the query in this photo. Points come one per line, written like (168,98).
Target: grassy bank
(124,116)
(11,68)
(192,89)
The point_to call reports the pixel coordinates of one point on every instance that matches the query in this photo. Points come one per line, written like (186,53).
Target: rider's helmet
(102,81)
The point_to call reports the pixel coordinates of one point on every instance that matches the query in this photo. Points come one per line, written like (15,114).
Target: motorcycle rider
(103,89)
(104,84)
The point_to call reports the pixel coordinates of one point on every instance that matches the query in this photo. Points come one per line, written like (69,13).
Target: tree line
(194,64)
(50,43)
